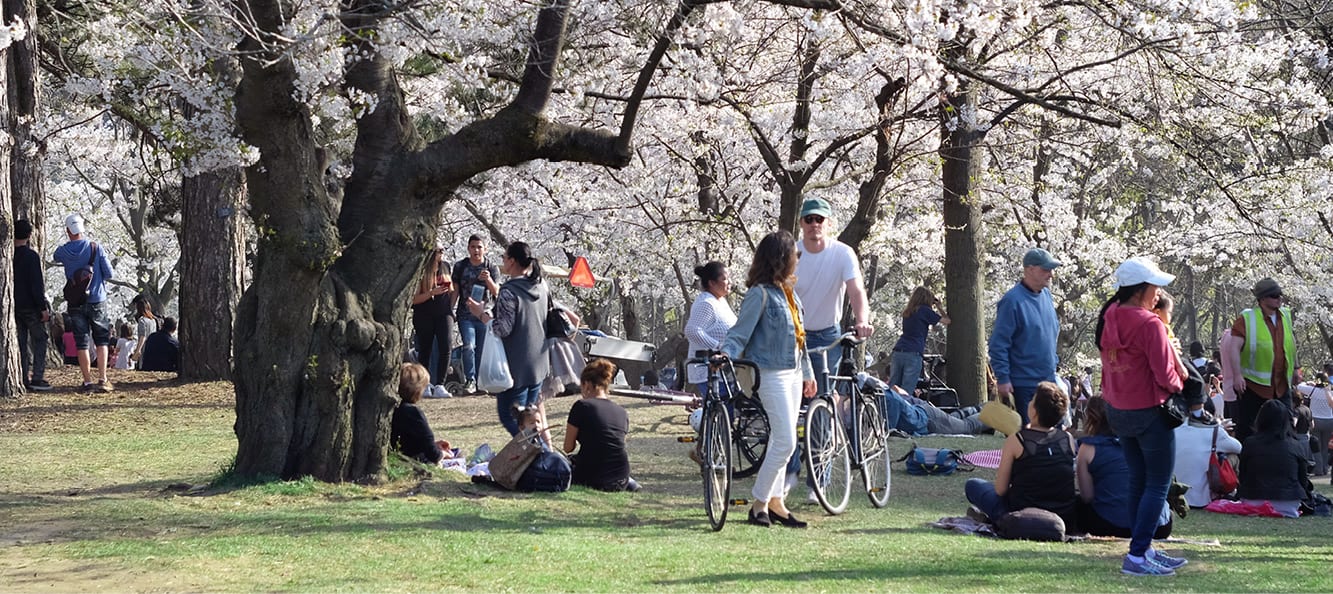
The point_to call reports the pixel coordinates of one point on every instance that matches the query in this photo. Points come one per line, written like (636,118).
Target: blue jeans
(505,402)
(906,371)
(981,493)
(1022,398)
(821,338)
(472,335)
(1150,453)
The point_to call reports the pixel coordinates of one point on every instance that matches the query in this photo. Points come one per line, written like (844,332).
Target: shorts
(90,318)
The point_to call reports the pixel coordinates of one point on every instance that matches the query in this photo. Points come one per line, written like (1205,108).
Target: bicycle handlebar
(848,339)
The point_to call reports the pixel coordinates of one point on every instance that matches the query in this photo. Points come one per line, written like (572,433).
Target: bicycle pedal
(686,439)
(739,502)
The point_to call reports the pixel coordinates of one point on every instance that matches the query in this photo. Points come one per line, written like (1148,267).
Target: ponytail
(1122,295)
(521,252)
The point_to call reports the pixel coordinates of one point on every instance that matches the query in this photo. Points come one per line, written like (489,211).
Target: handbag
(1175,409)
(493,374)
(508,465)
(557,325)
(1222,478)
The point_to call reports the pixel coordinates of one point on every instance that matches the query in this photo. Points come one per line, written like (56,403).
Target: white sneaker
(811,498)
(438,392)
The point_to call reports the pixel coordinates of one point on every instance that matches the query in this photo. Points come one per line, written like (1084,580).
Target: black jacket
(1272,468)
(161,352)
(411,434)
(29,286)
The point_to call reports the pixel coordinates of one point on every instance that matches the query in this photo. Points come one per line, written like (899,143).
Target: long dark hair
(1274,419)
(920,297)
(142,309)
(1122,296)
(522,253)
(1094,417)
(774,260)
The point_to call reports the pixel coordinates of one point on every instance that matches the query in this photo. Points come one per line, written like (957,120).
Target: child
(125,347)
(409,432)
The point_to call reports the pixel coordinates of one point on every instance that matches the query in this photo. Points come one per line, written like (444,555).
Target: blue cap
(1040,257)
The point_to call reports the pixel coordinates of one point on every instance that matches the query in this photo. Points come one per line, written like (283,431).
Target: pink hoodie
(1138,363)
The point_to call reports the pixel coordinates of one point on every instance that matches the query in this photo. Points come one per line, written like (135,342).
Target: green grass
(88,504)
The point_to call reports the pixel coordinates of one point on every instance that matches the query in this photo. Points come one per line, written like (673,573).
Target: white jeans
(780,393)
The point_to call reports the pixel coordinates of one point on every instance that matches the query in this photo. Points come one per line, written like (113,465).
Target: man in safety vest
(1261,356)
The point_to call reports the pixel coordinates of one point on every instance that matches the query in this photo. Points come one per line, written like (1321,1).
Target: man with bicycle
(826,271)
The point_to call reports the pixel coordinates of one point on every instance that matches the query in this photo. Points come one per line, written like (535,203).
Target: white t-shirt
(821,282)
(710,319)
(1193,444)
(124,348)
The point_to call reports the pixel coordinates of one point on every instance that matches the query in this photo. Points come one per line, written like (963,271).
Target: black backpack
(76,286)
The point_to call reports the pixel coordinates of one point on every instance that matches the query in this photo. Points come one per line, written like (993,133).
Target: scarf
(795,317)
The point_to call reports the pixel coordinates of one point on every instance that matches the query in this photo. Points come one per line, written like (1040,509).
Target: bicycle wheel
(874,451)
(750,437)
(826,456)
(716,455)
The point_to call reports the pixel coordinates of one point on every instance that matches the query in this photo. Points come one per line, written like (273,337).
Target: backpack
(76,286)
(549,473)
(1031,523)
(935,461)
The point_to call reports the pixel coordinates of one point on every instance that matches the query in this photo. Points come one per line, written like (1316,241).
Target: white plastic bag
(493,372)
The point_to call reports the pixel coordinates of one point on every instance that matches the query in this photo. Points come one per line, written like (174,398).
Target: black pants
(1247,408)
(429,330)
(1092,523)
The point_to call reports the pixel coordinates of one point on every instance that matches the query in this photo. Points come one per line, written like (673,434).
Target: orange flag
(581,274)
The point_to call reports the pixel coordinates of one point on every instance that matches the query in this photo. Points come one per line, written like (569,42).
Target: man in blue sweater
(1022,344)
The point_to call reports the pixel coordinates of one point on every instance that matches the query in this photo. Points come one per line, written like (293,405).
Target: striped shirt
(710,319)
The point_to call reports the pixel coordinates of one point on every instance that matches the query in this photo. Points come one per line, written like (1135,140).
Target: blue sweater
(1022,344)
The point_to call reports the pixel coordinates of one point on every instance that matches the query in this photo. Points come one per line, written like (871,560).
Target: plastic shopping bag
(493,372)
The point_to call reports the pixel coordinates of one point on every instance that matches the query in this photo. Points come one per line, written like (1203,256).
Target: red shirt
(1139,366)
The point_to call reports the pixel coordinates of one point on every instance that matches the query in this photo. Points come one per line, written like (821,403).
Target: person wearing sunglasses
(828,270)
(1258,358)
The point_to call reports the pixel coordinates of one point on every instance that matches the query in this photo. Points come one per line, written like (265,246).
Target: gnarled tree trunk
(212,269)
(26,176)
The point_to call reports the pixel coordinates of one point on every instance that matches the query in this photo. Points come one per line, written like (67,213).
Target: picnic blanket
(984,458)
(1223,506)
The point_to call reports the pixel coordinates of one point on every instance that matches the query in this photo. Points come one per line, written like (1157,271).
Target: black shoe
(759,519)
(790,521)
(39,385)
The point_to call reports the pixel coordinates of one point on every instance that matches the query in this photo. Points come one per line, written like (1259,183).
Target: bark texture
(10,382)
(962,254)
(212,270)
(27,182)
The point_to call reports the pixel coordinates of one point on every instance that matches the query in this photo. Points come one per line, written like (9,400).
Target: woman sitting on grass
(598,426)
(1272,463)
(1036,465)
(1103,480)
(409,432)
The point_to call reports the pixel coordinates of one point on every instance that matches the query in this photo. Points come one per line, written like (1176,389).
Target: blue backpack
(935,461)
(549,473)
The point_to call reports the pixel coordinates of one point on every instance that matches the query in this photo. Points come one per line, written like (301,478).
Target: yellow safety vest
(1256,356)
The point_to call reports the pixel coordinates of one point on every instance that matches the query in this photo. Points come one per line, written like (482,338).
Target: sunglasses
(1275,296)
(812,219)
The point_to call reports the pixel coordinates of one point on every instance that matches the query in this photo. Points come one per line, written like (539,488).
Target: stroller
(932,385)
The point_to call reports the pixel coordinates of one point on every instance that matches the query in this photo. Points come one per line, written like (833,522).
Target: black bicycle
(832,450)
(715,431)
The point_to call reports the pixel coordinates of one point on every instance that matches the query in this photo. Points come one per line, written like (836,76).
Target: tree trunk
(26,176)
(10,382)
(962,256)
(212,271)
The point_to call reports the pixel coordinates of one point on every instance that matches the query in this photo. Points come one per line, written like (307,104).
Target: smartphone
(479,293)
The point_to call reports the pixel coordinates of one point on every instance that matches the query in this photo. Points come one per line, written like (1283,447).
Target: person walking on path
(31,309)
(1023,341)
(1258,359)
(89,321)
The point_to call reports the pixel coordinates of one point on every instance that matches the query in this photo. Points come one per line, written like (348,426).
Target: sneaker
(811,498)
(39,385)
(437,392)
(1166,560)
(470,388)
(106,387)
(1147,567)
(88,388)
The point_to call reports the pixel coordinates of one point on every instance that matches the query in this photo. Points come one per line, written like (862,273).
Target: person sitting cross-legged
(161,351)
(1036,465)
(598,426)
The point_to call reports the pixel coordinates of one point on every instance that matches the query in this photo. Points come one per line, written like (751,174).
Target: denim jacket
(764,332)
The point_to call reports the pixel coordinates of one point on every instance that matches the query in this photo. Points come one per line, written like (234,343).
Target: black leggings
(430,328)
(1092,523)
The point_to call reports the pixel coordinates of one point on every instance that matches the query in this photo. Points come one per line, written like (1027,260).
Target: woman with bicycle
(769,332)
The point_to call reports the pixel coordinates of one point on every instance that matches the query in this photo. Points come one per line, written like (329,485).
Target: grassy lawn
(95,493)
